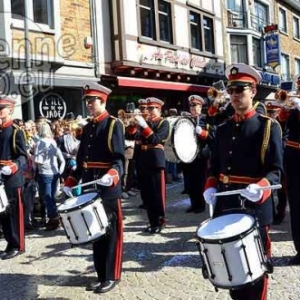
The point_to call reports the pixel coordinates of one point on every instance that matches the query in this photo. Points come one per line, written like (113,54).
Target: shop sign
(273,52)
(52,106)
(179,60)
(269,78)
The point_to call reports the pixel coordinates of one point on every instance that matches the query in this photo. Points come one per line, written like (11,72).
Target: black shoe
(142,206)
(106,286)
(52,224)
(184,192)
(93,286)
(189,210)
(294,261)
(199,210)
(11,254)
(278,219)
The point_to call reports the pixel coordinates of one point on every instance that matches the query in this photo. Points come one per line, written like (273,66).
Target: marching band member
(273,110)
(220,112)
(13,155)
(101,156)
(152,162)
(292,167)
(247,155)
(198,168)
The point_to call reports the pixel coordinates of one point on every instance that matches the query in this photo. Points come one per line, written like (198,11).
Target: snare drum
(231,250)
(83,218)
(3,199)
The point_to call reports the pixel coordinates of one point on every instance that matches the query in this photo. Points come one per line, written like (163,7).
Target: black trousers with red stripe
(259,290)
(12,220)
(153,186)
(108,250)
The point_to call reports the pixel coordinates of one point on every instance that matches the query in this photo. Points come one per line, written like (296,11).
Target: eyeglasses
(151,107)
(193,104)
(237,90)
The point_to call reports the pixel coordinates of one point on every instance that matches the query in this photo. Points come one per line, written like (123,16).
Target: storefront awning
(160,85)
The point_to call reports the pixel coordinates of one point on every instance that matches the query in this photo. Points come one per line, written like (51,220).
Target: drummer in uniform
(247,155)
(154,132)
(197,169)
(13,157)
(101,156)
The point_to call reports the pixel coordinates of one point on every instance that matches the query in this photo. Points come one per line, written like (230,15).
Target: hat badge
(86,87)
(234,71)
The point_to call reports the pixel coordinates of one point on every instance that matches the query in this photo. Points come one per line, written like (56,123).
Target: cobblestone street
(163,266)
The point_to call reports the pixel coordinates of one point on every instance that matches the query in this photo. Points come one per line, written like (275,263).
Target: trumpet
(285,98)
(129,118)
(214,94)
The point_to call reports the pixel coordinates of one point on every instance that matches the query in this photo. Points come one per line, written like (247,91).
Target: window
(156,12)
(238,47)
(260,17)
(195,27)
(257,53)
(296,33)
(40,11)
(206,31)
(297,66)
(282,20)
(285,67)
(208,35)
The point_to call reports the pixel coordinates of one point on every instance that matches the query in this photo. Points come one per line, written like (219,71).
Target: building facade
(57,63)
(167,49)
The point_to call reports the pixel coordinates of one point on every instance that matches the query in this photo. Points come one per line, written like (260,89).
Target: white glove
(209,197)
(68,191)
(252,192)
(198,129)
(106,180)
(296,102)
(6,170)
(141,121)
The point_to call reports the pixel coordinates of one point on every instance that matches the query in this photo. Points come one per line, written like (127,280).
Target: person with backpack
(12,161)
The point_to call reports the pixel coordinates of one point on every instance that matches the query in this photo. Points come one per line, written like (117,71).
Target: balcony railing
(257,23)
(237,19)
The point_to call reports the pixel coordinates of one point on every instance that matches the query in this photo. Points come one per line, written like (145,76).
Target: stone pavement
(164,266)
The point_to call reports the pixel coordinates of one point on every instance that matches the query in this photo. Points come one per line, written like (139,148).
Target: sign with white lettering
(52,106)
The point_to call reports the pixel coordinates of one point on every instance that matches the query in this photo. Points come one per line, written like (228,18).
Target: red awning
(161,85)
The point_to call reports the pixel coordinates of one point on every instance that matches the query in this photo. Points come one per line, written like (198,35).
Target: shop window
(40,11)
(156,20)
(238,47)
(257,52)
(202,26)
(282,20)
(297,66)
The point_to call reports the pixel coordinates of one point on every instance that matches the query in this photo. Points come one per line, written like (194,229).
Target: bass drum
(169,150)
(184,140)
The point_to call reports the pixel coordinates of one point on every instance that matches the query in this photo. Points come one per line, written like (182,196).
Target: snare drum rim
(68,210)
(228,239)
(172,141)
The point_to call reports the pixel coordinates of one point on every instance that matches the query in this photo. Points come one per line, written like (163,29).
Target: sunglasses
(237,90)
(142,107)
(151,107)
(193,105)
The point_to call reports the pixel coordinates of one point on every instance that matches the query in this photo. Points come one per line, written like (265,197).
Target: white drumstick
(234,192)
(89,183)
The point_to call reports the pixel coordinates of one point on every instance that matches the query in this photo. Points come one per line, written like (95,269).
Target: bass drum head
(184,140)
(81,200)
(169,152)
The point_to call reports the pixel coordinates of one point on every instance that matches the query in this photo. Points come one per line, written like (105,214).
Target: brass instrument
(213,93)
(284,98)
(129,118)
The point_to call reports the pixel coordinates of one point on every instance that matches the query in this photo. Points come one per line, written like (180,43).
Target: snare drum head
(77,201)
(225,226)
(184,140)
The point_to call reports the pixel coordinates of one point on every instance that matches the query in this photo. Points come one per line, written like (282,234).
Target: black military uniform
(292,167)
(101,152)
(247,150)
(197,170)
(12,155)
(152,165)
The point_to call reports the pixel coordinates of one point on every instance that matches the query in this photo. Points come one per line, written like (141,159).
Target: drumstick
(234,192)
(89,183)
